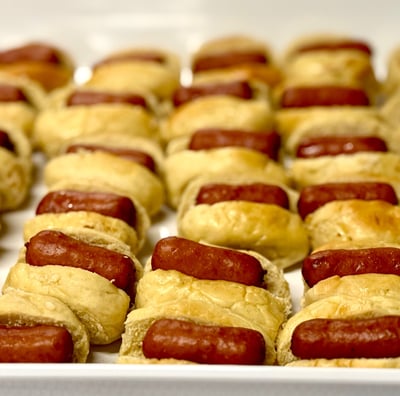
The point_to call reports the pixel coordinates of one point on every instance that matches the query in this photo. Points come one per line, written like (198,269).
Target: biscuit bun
(99,305)
(82,220)
(117,72)
(184,166)
(276,233)
(106,172)
(341,122)
(21,114)
(49,74)
(263,313)
(338,307)
(220,111)
(361,166)
(164,286)
(16,169)
(54,126)
(353,220)
(18,307)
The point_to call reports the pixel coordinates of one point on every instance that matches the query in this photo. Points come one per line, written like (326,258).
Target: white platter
(89,30)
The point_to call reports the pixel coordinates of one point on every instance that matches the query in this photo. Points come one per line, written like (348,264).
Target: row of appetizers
(264,164)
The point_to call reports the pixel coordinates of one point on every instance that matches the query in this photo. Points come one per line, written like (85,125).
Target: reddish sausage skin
(240,89)
(87,98)
(6,142)
(138,156)
(337,46)
(326,263)
(206,262)
(55,248)
(314,147)
(228,59)
(108,204)
(313,197)
(206,344)
(255,192)
(36,52)
(347,338)
(298,97)
(36,344)
(10,93)
(268,142)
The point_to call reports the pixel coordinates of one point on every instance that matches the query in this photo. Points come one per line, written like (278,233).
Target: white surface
(91,29)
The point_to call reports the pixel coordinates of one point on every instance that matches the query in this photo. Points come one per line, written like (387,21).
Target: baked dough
(184,166)
(290,119)
(163,287)
(15,170)
(338,122)
(276,233)
(48,75)
(360,285)
(20,114)
(98,304)
(362,166)
(338,307)
(255,309)
(18,307)
(220,111)
(106,172)
(353,220)
(391,83)
(55,126)
(161,79)
(87,220)
(124,141)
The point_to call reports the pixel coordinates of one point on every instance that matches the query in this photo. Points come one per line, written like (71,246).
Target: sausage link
(35,344)
(108,204)
(6,142)
(371,338)
(50,247)
(137,156)
(87,98)
(11,93)
(326,263)
(228,59)
(355,45)
(206,262)
(206,344)
(255,192)
(268,142)
(297,97)
(313,197)
(334,145)
(37,52)
(240,89)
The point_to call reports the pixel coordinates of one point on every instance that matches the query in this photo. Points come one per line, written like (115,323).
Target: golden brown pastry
(143,69)
(106,172)
(219,112)
(353,310)
(16,169)
(231,305)
(184,166)
(353,220)
(59,123)
(99,304)
(269,229)
(362,166)
(21,308)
